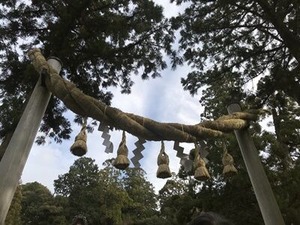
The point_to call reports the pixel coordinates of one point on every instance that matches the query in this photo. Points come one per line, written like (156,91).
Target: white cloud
(171,9)
(44,165)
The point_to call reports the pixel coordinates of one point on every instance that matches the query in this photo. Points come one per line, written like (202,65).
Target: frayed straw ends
(163,170)
(122,161)
(79,148)
(201,172)
(229,168)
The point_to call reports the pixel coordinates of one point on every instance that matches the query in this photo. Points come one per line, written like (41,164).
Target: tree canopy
(101,44)
(39,206)
(99,196)
(106,196)
(248,52)
(243,40)
(245,51)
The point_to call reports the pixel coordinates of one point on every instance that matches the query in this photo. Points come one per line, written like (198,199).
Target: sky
(162,99)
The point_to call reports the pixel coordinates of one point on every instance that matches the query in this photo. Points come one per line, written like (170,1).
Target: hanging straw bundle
(163,170)
(228,162)
(201,172)
(79,148)
(122,161)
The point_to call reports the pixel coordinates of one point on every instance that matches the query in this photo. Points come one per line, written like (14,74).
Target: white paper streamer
(184,158)
(179,150)
(137,152)
(109,147)
(203,153)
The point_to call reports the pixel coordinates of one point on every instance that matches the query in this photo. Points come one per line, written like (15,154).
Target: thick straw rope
(87,106)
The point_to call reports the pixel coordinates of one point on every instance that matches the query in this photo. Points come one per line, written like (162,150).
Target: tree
(183,198)
(241,39)
(101,44)
(249,39)
(113,196)
(93,193)
(278,148)
(107,196)
(233,43)
(143,200)
(137,199)
(39,206)
(80,189)
(83,173)
(177,201)
(281,147)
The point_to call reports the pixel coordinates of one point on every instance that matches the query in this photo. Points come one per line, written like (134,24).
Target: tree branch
(291,41)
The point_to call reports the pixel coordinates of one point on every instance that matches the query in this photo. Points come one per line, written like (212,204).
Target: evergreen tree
(107,196)
(177,200)
(252,39)
(39,206)
(101,44)
(78,190)
(143,201)
(83,173)
(232,45)
(279,154)
(91,192)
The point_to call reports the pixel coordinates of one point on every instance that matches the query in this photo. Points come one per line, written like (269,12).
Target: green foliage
(177,200)
(106,196)
(39,206)
(101,44)
(233,198)
(83,173)
(80,188)
(141,193)
(232,46)
(246,38)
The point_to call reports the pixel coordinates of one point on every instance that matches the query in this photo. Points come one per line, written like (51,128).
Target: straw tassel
(228,162)
(79,148)
(163,170)
(201,172)
(122,161)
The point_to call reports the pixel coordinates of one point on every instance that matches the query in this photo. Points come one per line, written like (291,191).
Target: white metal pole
(261,186)
(16,154)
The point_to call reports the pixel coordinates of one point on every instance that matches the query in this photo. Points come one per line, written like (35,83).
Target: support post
(261,186)
(16,154)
